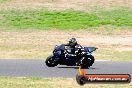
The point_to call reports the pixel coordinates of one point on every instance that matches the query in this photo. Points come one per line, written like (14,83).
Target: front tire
(50,62)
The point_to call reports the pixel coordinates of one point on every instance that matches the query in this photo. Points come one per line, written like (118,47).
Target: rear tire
(91,60)
(50,63)
(87,61)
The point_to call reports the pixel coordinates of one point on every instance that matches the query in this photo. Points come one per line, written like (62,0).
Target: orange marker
(81,71)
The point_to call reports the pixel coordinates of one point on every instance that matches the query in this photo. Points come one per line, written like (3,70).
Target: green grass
(35,82)
(2,1)
(118,17)
(44,19)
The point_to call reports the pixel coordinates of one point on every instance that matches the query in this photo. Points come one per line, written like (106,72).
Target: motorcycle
(61,55)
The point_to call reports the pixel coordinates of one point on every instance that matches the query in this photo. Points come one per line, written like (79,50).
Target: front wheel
(50,62)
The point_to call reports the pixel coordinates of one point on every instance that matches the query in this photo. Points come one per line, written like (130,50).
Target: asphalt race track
(37,68)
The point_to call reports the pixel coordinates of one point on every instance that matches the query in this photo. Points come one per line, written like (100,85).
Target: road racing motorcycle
(62,55)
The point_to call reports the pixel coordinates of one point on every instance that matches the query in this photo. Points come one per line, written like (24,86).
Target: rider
(73,45)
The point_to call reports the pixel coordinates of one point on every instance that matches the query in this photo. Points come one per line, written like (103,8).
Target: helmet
(72,41)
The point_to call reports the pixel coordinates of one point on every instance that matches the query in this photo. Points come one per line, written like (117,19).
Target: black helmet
(72,41)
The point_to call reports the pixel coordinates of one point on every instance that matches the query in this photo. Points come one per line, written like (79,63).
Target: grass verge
(44,19)
(113,55)
(34,82)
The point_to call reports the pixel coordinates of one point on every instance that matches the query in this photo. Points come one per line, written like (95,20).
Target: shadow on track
(74,67)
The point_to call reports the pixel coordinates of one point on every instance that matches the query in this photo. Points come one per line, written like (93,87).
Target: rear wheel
(91,60)
(50,62)
(87,61)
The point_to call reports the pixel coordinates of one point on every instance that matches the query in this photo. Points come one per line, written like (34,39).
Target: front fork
(55,58)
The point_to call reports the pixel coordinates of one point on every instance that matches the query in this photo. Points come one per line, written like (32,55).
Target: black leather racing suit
(74,48)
